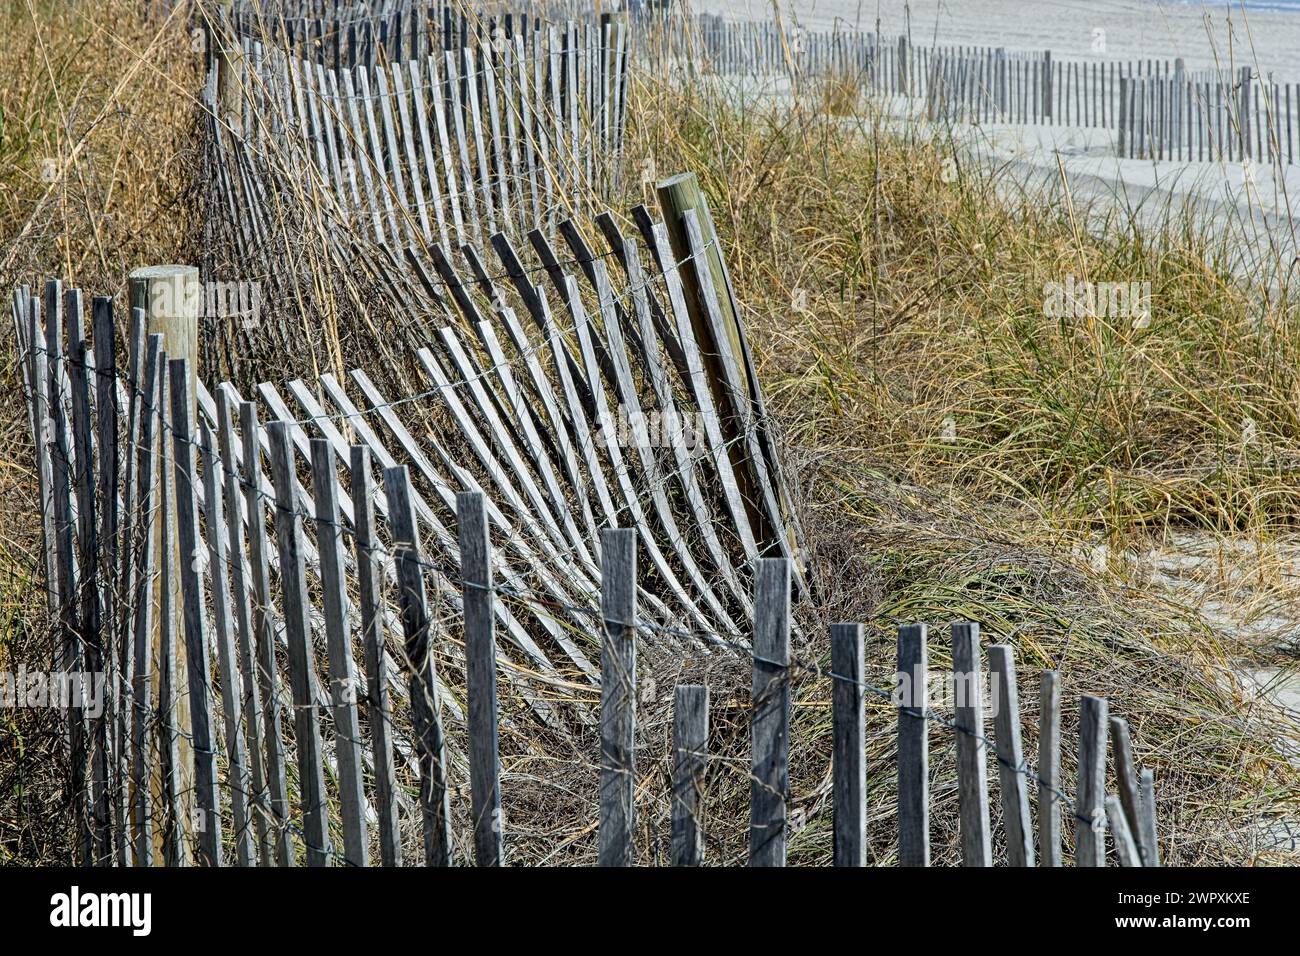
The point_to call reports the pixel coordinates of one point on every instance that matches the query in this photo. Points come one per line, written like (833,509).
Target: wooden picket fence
(167,547)
(1158,109)
(1209,120)
(499,135)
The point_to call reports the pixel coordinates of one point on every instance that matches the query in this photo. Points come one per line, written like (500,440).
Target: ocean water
(1261,33)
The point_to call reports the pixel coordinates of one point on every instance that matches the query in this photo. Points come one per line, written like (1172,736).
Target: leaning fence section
(316,626)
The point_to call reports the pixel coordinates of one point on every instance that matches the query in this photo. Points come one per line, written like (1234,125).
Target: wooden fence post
(208,819)
(431,747)
(690,754)
(302,655)
(972,766)
(769,789)
(338,638)
(369,581)
(1049,769)
(1089,837)
(617,696)
(913,748)
(850,745)
(480,676)
(171,300)
(1011,764)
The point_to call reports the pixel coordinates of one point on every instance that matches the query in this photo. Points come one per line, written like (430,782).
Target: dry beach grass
(959,454)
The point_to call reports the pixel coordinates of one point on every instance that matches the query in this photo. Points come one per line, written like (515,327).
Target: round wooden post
(171,298)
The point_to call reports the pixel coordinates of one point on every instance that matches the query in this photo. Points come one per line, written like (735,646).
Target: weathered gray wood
(79,364)
(369,587)
(242,616)
(1126,779)
(42,436)
(227,665)
(1147,786)
(416,622)
(1090,822)
(480,677)
(302,666)
(617,696)
(175,849)
(850,745)
(338,636)
(690,760)
(972,767)
(1049,769)
(149,499)
(264,627)
(769,790)
(62,543)
(207,821)
(1012,769)
(1120,835)
(111,813)
(913,747)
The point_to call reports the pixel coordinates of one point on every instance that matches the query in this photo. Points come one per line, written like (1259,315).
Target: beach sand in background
(1265,38)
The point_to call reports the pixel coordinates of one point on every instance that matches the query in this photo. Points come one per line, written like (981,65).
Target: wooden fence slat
(1122,838)
(617,696)
(142,712)
(850,745)
(107,474)
(1126,779)
(175,849)
(769,790)
(207,823)
(1147,787)
(1089,827)
(690,760)
(480,677)
(227,665)
(1011,764)
(416,623)
(302,657)
(338,637)
(972,767)
(369,587)
(913,748)
(1049,769)
(264,628)
(242,616)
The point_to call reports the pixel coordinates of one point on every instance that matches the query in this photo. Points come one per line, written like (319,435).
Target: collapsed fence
(235,787)
(225,561)
(161,557)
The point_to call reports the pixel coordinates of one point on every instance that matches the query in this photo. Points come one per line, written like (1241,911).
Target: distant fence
(1170,117)
(1157,108)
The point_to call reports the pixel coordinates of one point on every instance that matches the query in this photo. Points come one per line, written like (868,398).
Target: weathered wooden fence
(1209,120)
(450,147)
(182,532)
(1158,109)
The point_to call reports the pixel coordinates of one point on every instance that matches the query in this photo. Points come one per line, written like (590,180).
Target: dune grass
(959,453)
(964,455)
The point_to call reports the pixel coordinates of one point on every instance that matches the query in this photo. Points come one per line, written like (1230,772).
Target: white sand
(1265,35)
